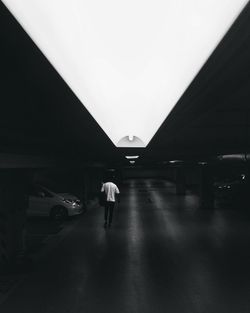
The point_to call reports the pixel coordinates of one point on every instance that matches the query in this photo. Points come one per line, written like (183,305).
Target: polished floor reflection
(162,254)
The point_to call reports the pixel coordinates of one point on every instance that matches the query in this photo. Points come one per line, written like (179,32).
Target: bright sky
(129,61)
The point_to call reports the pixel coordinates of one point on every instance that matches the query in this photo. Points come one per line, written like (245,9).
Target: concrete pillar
(180,181)
(206,187)
(93,178)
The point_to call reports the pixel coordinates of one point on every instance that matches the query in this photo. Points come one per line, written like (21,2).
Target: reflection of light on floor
(132,184)
(148,183)
(189,204)
(219,227)
(134,228)
(171,225)
(100,235)
(201,284)
(135,282)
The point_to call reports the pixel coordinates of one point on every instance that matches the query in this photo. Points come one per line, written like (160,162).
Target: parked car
(232,190)
(44,202)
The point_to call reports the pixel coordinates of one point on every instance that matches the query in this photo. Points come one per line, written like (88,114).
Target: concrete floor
(162,254)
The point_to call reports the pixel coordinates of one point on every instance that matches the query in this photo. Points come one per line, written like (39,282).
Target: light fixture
(128,62)
(132,162)
(131,142)
(233,157)
(130,157)
(175,161)
(202,163)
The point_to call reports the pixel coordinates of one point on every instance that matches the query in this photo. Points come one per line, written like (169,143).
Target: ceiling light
(129,157)
(175,161)
(128,62)
(134,142)
(233,157)
(132,162)
(202,163)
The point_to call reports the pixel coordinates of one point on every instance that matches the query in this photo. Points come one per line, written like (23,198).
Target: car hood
(68,196)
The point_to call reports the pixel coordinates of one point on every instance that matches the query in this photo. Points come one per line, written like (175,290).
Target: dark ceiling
(40,115)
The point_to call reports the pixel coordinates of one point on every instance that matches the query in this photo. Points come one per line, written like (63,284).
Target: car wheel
(59,213)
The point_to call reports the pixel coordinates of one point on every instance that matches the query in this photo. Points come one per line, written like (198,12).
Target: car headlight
(68,200)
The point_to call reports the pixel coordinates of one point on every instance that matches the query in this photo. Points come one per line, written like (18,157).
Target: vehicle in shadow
(58,206)
(232,191)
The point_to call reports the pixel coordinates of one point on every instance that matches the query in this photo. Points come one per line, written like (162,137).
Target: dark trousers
(108,213)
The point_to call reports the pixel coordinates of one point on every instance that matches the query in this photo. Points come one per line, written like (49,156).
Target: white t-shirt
(110,189)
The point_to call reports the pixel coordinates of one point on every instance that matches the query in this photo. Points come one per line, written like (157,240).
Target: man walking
(111,190)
